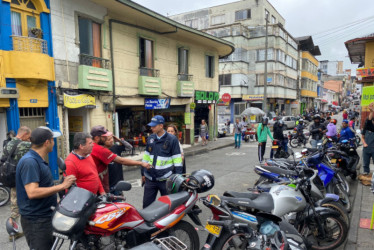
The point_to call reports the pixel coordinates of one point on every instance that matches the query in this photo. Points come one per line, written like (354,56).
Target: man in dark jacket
(317,129)
(278,129)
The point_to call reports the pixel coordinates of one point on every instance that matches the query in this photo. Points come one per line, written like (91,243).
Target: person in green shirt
(262,134)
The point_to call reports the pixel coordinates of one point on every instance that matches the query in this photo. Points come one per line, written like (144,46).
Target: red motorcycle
(108,222)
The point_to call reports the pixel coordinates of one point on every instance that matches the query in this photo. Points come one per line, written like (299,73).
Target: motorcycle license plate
(333,160)
(213,229)
(274,147)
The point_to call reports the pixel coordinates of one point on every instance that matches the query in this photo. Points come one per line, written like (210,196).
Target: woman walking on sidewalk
(204,131)
(262,133)
(238,133)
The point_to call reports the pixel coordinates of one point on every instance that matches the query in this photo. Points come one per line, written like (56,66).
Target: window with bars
(31,112)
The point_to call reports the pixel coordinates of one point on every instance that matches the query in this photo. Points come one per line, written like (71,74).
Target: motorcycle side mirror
(298,155)
(61,164)
(358,131)
(11,226)
(122,186)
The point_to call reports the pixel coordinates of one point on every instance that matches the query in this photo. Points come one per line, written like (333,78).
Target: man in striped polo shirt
(163,153)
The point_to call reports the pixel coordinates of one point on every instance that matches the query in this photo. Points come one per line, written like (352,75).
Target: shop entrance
(78,122)
(201,113)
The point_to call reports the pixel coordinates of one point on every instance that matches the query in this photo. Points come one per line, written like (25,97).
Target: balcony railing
(30,44)
(149,72)
(97,62)
(184,77)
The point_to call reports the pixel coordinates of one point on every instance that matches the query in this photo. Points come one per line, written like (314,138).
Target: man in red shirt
(102,156)
(80,164)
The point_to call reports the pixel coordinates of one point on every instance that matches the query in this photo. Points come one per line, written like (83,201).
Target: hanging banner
(367,96)
(151,103)
(78,101)
(187,118)
(364,72)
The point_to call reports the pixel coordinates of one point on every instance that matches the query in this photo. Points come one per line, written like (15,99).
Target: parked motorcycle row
(297,203)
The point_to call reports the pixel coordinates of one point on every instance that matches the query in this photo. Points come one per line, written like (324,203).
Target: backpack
(8,167)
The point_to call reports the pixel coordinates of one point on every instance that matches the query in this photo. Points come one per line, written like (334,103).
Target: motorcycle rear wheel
(186,233)
(344,182)
(294,142)
(228,240)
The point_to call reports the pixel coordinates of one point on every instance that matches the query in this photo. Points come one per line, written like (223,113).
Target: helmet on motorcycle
(301,120)
(202,179)
(174,183)
(265,120)
(333,121)
(345,121)
(317,117)
(281,122)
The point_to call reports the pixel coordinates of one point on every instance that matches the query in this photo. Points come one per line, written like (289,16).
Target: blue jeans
(315,142)
(238,139)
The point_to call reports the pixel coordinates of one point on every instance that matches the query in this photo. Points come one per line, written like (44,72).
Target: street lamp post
(264,106)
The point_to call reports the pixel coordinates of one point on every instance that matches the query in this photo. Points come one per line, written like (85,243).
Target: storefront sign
(367,96)
(151,103)
(226,97)
(206,96)
(252,97)
(187,118)
(364,72)
(192,105)
(78,101)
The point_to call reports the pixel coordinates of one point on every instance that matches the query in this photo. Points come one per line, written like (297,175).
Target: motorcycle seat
(262,202)
(280,171)
(281,161)
(163,205)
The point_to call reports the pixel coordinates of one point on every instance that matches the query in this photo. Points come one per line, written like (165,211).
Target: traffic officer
(163,153)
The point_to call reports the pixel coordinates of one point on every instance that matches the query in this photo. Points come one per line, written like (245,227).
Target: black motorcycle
(279,150)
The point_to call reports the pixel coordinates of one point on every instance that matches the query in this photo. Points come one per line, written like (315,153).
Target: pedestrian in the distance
(204,131)
(345,114)
(263,132)
(244,127)
(36,190)
(238,133)
(228,126)
(173,130)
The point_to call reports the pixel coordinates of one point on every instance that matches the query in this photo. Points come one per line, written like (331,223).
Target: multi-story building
(242,74)
(331,68)
(27,87)
(117,57)
(308,72)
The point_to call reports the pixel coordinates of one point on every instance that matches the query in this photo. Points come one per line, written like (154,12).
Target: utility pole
(264,106)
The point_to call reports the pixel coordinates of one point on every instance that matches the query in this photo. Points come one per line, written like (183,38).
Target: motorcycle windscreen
(76,201)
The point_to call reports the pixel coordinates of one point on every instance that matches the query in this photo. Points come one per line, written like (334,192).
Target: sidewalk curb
(351,242)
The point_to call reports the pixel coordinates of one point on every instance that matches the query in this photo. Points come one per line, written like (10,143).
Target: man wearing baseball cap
(163,153)
(36,191)
(346,132)
(102,156)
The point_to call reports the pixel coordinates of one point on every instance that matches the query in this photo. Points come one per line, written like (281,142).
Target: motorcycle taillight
(275,143)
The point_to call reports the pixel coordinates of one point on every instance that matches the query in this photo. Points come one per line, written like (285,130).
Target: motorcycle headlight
(63,223)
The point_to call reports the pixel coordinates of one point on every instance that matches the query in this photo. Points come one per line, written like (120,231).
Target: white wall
(64,25)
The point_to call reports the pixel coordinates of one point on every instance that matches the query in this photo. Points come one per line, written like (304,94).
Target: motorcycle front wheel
(228,241)
(186,233)
(335,232)
(343,195)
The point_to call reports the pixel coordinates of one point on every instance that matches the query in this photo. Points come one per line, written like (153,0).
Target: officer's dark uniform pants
(368,152)
(150,191)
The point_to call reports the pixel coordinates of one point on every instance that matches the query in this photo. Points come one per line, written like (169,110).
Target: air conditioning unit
(9,93)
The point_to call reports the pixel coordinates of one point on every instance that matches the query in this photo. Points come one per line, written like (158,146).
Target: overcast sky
(340,18)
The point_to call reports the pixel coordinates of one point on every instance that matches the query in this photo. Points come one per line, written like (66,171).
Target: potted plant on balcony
(36,33)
